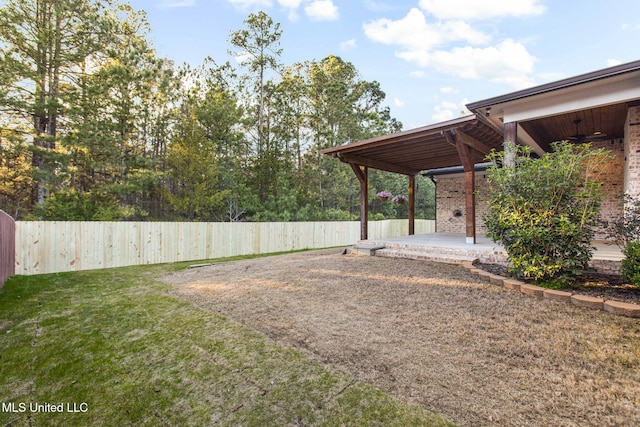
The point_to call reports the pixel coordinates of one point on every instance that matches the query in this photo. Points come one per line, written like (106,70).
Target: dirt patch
(434,335)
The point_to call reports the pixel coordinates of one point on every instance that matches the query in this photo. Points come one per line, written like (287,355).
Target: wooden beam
(465,154)
(455,136)
(490,124)
(466,158)
(473,143)
(412,205)
(362,173)
(449,136)
(377,164)
(470,206)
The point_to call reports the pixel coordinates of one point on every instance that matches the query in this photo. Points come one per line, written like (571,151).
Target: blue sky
(430,56)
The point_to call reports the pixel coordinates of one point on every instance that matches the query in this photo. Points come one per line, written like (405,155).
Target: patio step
(365,249)
(423,255)
(469,251)
(439,248)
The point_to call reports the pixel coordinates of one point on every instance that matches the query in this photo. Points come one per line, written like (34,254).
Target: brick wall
(632,152)
(613,181)
(450,194)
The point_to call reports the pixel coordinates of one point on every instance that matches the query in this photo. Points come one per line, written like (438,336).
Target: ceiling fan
(579,137)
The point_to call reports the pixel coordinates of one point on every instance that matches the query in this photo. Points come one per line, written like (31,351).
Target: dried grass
(435,335)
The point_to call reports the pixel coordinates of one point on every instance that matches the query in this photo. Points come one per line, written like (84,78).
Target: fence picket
(58,246)
(7,246)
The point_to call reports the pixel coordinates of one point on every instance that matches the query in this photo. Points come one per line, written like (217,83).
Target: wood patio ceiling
(609,120)
(428,147)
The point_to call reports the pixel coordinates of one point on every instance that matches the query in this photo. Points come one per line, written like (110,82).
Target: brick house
(602,107)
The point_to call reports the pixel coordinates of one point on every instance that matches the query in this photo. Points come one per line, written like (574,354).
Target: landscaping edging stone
(619,308)
(533,290)
(594,303)
(555,295)
(622,308)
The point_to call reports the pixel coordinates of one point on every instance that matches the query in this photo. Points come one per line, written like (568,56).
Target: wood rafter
(457,135)
(360,172)
(377,164)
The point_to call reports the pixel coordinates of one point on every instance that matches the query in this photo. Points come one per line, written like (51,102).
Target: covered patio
(452,248)
(601,107)
(463,141)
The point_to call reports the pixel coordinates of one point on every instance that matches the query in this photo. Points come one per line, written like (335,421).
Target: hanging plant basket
(400,199)
(384,196)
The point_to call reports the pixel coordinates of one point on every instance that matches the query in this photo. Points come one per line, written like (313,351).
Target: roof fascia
(557,85)
(435,128)
(596,94)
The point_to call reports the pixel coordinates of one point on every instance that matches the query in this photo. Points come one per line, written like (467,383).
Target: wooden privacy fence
(7,247)
(57,246)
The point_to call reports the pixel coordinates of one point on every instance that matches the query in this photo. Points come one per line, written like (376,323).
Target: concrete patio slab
(606,258)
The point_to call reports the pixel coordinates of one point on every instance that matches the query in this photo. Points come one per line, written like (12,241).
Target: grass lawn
(116,348)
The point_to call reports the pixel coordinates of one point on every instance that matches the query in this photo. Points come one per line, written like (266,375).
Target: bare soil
(436,336)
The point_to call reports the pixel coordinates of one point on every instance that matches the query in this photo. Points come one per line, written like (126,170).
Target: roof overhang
(548,112)
(424,148)
(571,82)
(598,101)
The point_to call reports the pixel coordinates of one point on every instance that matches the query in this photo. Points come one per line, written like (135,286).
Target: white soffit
(613,90)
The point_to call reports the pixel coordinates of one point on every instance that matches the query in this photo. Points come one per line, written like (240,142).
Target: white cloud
(293,15)
(290,4)
(397,102)
(474,9)
(348,44)
(247,4)
(415,34)
(448,110)
(417,73)
(613,62)
(449,47)
(377,6)
(508,62)
(448,89)
(242,58)
(177,3)
(322,10)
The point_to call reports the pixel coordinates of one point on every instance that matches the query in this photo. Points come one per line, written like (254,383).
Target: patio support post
(510,135)
(470,202)
(467,158)
(362,172)
(412,205)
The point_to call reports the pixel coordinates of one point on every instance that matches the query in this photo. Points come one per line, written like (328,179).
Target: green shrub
(71,205)
(631,264)
(544,211)
(625,231)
